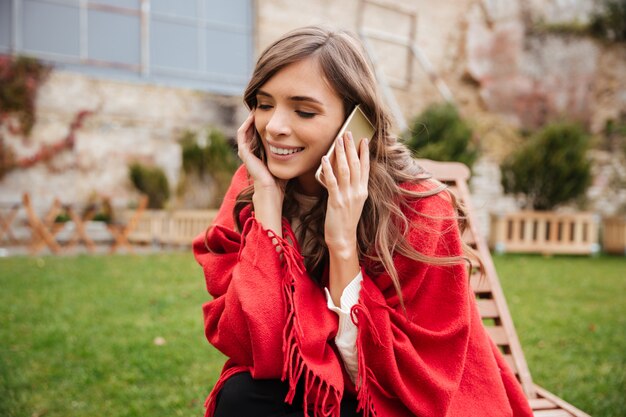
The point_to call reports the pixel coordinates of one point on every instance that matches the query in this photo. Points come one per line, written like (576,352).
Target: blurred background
(104,103)
(147,78)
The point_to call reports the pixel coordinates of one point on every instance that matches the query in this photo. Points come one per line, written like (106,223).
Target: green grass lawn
(570,316)
(77,334)
(77,337)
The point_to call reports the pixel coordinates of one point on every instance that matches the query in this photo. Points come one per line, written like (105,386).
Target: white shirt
(347,331)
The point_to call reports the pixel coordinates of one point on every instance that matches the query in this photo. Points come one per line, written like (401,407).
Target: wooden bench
(490,297)
(614,236)
(177,227)
(545,232)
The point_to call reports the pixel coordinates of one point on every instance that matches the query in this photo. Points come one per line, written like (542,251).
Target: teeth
(283,151)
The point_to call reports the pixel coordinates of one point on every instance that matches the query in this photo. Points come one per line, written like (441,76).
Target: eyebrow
(293,98)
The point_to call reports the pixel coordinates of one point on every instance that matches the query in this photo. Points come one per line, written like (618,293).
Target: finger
(245,126)
(364,161)
(242,132)
(329,178)
(245,134)
(343,170)
(353,160)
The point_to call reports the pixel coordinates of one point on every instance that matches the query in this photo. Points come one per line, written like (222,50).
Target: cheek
(325,136)
(316,137)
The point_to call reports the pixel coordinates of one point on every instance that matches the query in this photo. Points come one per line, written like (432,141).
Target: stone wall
(529,76)
(502,74)
(130,122)
(490,52)
(439,33)
(505,74)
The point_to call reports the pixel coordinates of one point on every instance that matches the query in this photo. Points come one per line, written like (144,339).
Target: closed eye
(264,106)
(305,114)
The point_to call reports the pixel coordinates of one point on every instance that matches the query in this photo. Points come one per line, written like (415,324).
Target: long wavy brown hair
(383,227)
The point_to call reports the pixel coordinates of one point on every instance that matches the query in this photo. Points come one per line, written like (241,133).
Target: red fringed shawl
(270,318)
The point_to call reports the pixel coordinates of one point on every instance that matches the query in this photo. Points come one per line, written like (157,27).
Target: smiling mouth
(284,151)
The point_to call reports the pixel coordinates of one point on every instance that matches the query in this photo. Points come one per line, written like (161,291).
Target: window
(205,44)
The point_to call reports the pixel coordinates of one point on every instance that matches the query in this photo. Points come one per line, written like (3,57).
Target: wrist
(343,267)
(268,209)
(342,250)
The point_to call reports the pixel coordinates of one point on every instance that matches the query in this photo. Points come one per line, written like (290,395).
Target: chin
(281,173)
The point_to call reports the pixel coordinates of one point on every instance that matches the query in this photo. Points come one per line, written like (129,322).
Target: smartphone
(360,126)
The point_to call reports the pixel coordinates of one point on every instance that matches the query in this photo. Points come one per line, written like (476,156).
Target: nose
(278,124)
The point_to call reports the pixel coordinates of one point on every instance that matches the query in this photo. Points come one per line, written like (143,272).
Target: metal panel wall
(204,44)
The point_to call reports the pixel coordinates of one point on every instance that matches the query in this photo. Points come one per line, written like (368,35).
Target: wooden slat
(541,404)
(41,229)
(614,236)
(555,233)
(511,362)
(453,189)
(490,297)
(172,228)
(487,309)
(498,335)
(446,171)
(551,413)
(480,284)
(573,411)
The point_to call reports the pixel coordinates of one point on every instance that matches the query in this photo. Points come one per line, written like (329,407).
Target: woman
(347,300)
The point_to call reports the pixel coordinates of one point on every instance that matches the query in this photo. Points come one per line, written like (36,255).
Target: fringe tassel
(365,376)
(359,310)
(210,402)
(326,397)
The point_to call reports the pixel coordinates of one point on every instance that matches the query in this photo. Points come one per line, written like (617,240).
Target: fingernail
(340,141)
(325,158)
(350,135)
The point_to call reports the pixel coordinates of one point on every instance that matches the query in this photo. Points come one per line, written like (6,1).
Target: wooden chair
(80,232)
(120,231)
(8,212)
(490,298)
(43,230)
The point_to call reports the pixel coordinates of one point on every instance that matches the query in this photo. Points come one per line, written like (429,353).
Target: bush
(152,182)
(439,133)
(610,20)
(215,158)
(551,168)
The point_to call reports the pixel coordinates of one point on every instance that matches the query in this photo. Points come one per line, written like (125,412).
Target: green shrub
(614,135)
(609,22)
(216,159)
(439,133)
(551,168)
(152,182)
(62,217)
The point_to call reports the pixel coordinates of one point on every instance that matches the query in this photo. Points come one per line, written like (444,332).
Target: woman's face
(297,116)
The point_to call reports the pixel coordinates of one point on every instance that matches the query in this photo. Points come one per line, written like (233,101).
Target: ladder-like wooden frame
(414,52)
(490,297)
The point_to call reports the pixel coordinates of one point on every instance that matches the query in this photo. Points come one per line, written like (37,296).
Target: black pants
(243,396)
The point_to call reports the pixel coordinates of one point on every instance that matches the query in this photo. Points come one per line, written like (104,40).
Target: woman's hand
(268,191)
(256,168)
(347,192)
